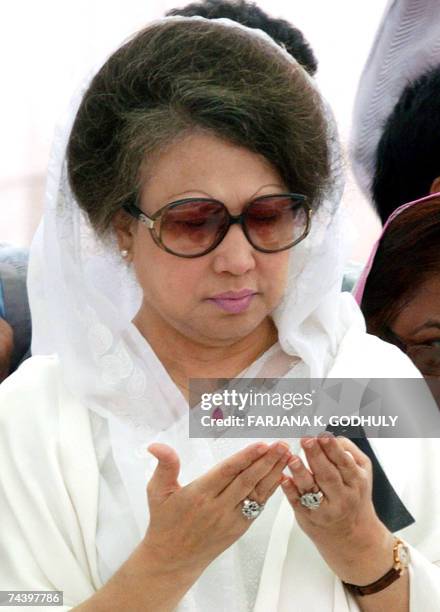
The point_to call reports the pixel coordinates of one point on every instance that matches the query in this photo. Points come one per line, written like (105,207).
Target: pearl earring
(124,253)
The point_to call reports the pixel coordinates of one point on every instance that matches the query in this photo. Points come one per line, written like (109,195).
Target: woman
(399,291)
(194,192)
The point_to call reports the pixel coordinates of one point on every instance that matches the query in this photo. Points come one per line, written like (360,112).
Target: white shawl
(49,499)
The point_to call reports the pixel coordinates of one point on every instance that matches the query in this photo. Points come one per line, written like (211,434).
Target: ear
(435,185)
(124,227)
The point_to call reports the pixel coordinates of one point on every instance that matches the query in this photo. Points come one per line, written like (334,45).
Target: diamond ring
(312,500)
(251,509)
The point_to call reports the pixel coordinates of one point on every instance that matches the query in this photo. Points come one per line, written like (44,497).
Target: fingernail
(295,463)
(309,442)
(261,449)
(325,437)
(281,449)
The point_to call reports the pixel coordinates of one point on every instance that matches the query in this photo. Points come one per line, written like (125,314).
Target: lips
(234,301)
(233,295)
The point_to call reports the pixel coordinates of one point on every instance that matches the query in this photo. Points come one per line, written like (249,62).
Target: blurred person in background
(250,15)
(393,134)
(406,45)
(407,160)
(15,323)
(399,291)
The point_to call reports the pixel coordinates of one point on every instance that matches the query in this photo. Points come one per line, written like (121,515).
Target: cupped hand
(191,525)
(345,527)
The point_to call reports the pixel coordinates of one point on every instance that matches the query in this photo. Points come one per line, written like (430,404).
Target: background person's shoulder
(15,257)
(14,305)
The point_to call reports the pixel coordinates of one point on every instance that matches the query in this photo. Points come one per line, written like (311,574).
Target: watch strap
(392,575)
(399,564)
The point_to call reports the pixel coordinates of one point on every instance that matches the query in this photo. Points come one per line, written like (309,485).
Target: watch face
(403,554)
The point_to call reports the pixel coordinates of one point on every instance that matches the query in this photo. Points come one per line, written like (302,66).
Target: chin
(231,329)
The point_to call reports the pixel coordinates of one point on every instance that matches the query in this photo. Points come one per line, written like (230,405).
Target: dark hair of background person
(252,16)
(408,255)
(174,78)
(408,154)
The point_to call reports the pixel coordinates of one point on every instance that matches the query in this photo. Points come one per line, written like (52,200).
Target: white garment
(406,45)
(36,392)
(52,516)
(246,560)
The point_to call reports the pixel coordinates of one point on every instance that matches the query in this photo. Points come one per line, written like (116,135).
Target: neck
(185,358)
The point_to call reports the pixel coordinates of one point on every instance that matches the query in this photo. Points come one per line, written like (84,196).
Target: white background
(47,45)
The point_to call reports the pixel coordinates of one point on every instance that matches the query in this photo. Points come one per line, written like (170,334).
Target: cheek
(273,278)
(274,269)
(167,280)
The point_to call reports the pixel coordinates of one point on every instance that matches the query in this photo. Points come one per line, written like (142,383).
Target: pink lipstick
(233,301)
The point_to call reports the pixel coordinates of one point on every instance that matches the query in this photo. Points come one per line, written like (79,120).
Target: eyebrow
(430,323)
(253,196)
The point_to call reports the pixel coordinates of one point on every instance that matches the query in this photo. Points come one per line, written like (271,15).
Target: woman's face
(183,293)
(418,327)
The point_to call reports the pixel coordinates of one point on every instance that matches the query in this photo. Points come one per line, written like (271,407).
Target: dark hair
(252,16)
(408,154)
(407,256)
(181,75)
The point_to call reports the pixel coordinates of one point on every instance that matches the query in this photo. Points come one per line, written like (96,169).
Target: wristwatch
(401,561)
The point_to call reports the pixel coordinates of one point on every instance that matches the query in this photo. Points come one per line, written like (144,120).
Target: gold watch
(401,561)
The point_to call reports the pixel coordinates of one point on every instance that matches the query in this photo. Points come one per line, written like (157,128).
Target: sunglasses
(193,227)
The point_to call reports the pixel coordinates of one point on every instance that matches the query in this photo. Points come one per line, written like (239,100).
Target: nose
(234,254)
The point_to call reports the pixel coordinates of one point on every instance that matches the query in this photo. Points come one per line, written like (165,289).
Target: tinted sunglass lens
(277,222)
(191,228)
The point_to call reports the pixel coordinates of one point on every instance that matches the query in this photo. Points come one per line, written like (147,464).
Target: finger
(269,494)
(293,494)
(264,489)
(164,480)
(246,481)
(360,458)
(302,477)
(342,459)
(221,475)
(274,488)
(326,475)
